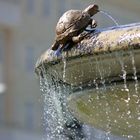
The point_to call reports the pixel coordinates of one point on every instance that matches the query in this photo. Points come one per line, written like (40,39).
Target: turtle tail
(55,46)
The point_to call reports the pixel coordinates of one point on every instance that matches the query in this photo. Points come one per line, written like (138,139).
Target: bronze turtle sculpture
(71,25)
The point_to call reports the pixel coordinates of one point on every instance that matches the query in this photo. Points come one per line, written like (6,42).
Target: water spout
(109,16)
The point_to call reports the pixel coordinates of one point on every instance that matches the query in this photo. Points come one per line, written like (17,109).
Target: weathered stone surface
(98,43)
(106,54)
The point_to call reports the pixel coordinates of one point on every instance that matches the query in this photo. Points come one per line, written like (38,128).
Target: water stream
(53,117)
(59,123)
(134,71)
(64,68)
(119,57)
(109,16)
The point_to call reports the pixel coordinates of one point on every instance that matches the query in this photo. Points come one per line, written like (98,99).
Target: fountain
(95,83)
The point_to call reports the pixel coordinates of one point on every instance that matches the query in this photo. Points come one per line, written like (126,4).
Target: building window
(30,6)
(46,7)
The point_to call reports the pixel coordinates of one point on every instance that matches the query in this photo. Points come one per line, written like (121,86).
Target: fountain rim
(49,58)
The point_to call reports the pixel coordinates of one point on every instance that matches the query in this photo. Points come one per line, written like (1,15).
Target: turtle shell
(72,21)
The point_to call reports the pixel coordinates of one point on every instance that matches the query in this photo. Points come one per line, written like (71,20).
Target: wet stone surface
(118,53)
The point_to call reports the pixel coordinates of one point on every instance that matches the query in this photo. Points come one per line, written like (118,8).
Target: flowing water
(64,68)
(52,116)
(119,56)
(134,71)
(109,16)
(57,119)
(56,113)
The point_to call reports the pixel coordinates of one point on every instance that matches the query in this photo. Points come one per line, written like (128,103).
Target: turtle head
(92,9)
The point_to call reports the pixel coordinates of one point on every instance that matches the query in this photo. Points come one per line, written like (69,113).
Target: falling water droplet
(64,68)
(119,57)
(134,72)
(100,69)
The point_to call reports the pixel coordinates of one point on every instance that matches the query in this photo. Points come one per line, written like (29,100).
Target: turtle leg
(55,46)
(58,51)
(93,23)
(61,48)
(80,37)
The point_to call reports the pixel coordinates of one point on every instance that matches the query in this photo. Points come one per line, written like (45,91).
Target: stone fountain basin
(113,110)
(97,57)
(105,56)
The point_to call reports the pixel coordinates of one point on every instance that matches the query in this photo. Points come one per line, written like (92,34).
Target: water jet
(96,81)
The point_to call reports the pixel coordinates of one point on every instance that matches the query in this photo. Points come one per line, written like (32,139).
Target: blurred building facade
(27,29)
